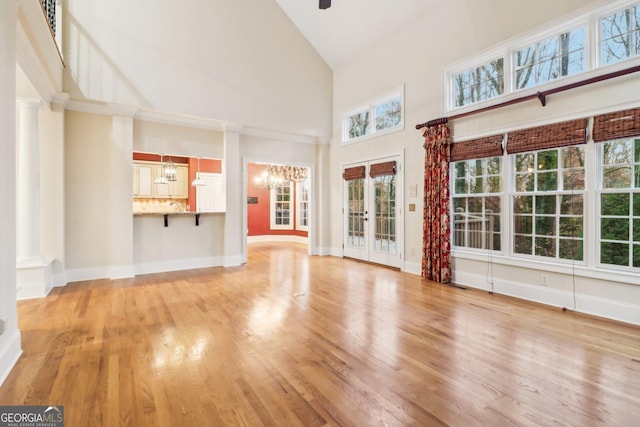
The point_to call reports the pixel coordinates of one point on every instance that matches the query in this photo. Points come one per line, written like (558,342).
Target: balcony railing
(49,7)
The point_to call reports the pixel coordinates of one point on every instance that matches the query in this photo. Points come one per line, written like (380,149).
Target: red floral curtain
(436,238)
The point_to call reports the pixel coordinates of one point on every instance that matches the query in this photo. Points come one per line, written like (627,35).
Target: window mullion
(592,205)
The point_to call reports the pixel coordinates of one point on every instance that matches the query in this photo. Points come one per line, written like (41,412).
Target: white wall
(87,194)
(180,246)
(417,57)
(240,61)
(9,340)
(52,192)
(156,137)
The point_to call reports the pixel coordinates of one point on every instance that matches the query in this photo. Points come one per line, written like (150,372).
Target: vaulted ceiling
(340,32)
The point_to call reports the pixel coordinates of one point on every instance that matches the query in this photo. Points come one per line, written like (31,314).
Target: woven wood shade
(490,146)
(381,169)
(550,136)
(621,124)
(356,172)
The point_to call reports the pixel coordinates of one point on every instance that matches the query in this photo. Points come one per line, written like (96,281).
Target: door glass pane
(356,214)
(385,203)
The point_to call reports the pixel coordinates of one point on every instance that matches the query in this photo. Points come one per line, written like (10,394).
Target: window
(620,203)
(476,203)
(383,115)
(356,212)
(385,213)
(281,206)
(476,196)
(548,200)
(610,34)
(620,35)
(479,83)
(302,198)
(358,125)
(550,195)
(546,60)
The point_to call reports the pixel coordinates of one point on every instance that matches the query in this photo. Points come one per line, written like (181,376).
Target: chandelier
(276,174)
(168,171)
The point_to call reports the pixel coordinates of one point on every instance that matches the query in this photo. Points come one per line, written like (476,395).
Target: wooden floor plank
(289,340)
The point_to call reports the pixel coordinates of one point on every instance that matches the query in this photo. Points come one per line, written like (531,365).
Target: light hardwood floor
(292,340)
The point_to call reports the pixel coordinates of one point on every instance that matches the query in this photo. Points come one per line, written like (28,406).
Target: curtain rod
(541,96)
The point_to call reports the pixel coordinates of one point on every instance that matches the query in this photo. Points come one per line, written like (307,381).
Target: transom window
(605,34)
(382,115)
(549,59)
(479,83)
(620,35)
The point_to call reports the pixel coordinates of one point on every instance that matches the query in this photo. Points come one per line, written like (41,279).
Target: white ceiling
(351,26)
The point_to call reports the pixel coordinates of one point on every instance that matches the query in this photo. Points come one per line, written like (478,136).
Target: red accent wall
(258,221)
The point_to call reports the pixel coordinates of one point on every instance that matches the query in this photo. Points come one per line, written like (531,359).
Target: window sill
(398,128)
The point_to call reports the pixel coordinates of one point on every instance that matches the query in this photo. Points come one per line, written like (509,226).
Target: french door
(373,211)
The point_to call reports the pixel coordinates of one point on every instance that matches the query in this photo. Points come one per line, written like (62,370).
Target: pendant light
(170,171)
(198,181)
(162,179)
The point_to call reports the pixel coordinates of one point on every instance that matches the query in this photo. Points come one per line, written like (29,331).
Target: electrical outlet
(544,280)
(3,325)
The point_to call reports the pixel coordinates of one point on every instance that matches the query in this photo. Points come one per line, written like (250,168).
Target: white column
(122,193)
(234,236)
(28,179)
(320,212)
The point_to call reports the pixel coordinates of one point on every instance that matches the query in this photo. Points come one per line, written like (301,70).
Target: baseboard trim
(83,274)
(277,238)
(601,307)
(177,265)
(9,355)
(122,272)
(412,268)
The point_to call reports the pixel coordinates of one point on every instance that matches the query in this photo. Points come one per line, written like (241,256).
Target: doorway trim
(311,234)
(400,237)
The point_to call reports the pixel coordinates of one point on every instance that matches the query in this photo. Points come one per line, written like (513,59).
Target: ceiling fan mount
(325,4)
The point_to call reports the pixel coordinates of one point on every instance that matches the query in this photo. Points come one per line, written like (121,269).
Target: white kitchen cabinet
(144,186)
(142,180)
(179,189)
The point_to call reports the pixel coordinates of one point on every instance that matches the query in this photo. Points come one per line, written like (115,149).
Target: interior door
(373,212)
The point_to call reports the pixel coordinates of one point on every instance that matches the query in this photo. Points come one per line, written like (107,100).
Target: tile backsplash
(159,206)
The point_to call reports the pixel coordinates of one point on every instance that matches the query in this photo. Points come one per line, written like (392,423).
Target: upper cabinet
(142,180)
(144,186)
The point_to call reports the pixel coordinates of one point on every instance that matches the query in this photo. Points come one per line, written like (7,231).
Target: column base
(34,278)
